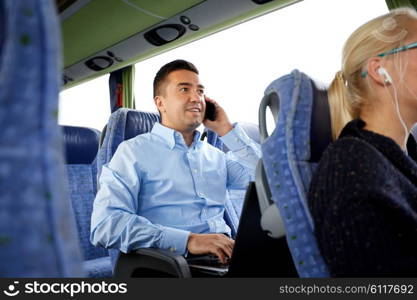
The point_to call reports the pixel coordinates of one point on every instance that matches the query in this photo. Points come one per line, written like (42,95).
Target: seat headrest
(302,133)
(318,113)
(81,144)
(123,124)
(139,122)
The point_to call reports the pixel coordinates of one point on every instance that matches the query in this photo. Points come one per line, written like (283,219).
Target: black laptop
(255,254)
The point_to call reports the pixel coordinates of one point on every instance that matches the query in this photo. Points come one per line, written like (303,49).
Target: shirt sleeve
(242,158)
(114,221)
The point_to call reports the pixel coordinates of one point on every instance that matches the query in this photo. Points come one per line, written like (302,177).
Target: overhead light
(164,34)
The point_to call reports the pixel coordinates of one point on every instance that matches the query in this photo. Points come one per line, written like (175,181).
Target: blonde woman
(363,195)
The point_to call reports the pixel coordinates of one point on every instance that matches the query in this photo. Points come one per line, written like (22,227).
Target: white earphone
(387,79)
(382,71)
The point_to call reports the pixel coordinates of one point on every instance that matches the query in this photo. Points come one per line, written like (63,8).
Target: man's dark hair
(162,74)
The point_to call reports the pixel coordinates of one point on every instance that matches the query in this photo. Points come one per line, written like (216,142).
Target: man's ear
(159,102)
(373,65)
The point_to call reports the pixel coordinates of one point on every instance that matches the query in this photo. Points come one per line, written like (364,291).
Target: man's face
(181,102)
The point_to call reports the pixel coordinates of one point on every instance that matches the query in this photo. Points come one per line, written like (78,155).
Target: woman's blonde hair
(347,92)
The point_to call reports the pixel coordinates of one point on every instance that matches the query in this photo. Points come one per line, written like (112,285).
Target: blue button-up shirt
(156,189)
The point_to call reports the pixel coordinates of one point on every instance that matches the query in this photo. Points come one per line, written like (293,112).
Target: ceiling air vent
(164,34)
(260,2)
(99,63)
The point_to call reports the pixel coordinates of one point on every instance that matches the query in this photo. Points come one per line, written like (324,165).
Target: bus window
(237,64)
(86,105)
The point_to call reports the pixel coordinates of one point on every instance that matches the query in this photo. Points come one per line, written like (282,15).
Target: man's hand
(221,125)
(214,243)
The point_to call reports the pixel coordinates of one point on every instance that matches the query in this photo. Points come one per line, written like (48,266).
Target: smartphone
(210,111)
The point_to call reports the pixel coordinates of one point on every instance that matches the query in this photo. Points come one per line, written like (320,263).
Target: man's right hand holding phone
(221,125)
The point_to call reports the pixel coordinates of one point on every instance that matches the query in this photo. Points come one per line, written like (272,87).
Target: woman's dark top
(363,199)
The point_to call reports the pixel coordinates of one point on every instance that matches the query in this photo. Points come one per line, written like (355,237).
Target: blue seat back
(128,123)
(123,124)
(37,228)
(290,155)
(81,145)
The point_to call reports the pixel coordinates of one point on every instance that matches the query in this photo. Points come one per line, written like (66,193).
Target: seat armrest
(146,262)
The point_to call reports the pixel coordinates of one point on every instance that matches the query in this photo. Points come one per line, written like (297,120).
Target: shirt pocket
(214,174)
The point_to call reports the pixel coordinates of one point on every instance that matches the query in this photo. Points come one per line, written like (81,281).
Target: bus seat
(236,197)
(123,124)
(81,145)
(290,155)
(37,228)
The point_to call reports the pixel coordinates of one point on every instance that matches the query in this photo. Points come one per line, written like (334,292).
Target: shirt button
(172,249)
(195,170)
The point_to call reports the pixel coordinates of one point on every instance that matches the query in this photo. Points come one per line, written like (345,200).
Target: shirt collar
(172,137)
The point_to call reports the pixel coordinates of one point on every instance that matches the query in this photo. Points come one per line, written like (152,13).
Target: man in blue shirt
(167,189)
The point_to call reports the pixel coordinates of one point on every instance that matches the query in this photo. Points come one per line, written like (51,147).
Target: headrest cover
(139,122)
(81,144)
(287,161)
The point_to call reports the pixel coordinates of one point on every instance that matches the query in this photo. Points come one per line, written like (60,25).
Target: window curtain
(392,4)
(121,88)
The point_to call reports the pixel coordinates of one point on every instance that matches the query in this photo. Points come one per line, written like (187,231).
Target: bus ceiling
(100,36)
